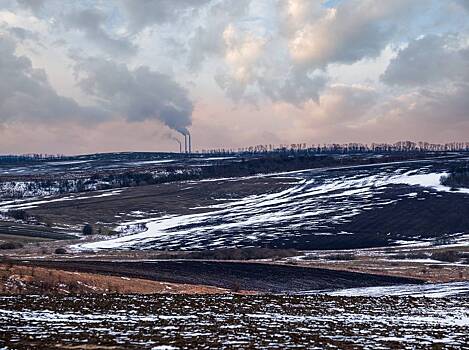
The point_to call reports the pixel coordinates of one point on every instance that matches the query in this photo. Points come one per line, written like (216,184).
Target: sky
(135,75)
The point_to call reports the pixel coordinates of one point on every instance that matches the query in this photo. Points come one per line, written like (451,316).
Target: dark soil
(172,198)
(233,275)
(28,230)
(231,322)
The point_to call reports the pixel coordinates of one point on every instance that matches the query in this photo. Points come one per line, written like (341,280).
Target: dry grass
(18,279)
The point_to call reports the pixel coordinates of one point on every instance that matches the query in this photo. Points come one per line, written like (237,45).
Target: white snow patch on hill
(269,216)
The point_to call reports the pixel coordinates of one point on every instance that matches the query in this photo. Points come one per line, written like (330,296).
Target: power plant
(187,143)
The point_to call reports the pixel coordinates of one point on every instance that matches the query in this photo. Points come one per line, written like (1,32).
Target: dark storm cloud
(25,93)
(138,95)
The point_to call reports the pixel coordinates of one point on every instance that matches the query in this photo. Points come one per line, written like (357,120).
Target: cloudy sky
(102,75)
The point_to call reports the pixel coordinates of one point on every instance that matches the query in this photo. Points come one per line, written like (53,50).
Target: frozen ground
(339,208)
(232,322)
(430,290)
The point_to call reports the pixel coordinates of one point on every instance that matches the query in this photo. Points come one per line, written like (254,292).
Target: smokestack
(190,142)
(180,145)
(185,143)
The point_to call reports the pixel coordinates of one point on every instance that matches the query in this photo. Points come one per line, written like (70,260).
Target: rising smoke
(138,95)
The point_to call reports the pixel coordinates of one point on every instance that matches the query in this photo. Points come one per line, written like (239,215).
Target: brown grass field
(17,279)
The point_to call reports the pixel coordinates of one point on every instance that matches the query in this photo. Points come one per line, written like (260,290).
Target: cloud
(242,51)
(296,87)
(432,73)
(91,22)
(347,104)
(428,60)
(138,95)
(445,107)
(22,34)
(255,65)
(143,13)
(285,57)
(463,3)
(339,105)
(208,38)
(347,33)
(34,6)
(25,93)
(314,70)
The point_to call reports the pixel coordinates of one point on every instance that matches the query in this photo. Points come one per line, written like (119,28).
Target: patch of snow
(163,161)
(430,290)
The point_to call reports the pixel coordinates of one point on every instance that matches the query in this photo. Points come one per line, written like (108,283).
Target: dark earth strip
(234,275)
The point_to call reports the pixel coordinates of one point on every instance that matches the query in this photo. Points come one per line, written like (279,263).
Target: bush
(310,257)
(10,245)
(18,214)
(232,254)
(340,257)
(458,176)
(448,256)
(236,287)
(443,241)
(242,254)
(416,255)
(88,230)
(60,251)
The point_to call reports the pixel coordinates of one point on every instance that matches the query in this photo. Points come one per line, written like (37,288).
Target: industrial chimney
(190,143)
(179,143)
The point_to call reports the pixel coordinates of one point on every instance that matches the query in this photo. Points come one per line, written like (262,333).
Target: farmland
(232,321)
(315,252)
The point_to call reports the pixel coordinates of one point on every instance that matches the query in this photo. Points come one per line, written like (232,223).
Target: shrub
(232,254)
(447,255)
(398,256)
(242,254)
(340,257)
(60,251)
(416,255)
(443,241)
(88,230)
(236,287)
(10,245)
(19,214)
(310,257)
(458,177)
(74,287)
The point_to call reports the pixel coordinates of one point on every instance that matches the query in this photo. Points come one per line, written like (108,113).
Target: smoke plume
(138,95)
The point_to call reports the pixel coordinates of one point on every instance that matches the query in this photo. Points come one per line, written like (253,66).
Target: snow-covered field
(320,204)
(230,321)
(430,290)
(24,204)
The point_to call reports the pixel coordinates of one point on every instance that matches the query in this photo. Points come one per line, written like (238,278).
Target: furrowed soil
(170,198)
(232,322)
(231,275)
